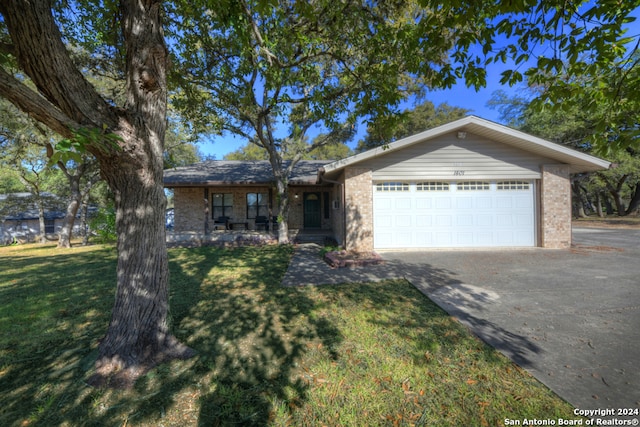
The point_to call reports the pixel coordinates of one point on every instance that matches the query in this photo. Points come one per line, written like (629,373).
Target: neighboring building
(19,218)
(470,183)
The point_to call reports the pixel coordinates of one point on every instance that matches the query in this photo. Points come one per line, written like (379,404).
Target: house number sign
(458,172)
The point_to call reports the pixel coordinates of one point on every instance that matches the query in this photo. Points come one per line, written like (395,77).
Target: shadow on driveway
(570,317)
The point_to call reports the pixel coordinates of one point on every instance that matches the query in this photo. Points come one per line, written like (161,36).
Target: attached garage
(437,214)
(470,183)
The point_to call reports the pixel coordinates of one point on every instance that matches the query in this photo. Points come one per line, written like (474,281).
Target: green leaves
(72,149)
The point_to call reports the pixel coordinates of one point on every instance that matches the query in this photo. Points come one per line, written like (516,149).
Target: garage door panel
(484,220)
(424,203)
(424,221)
(404,239)
(384,240)
(464,203)
(504,202)
(442,240)
(523,203)
(523,220)
(402,203)
(384,203)
(505,220)
(465,238)
(382,222)
(464,220)
(403,221)
(443,203)
(424,239)
(444,221)
(484,238)
(484,203)
(437,217)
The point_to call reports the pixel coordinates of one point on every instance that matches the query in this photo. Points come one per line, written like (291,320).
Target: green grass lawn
(350,355)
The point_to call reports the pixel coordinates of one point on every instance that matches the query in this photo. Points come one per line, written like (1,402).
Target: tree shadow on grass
(251,335)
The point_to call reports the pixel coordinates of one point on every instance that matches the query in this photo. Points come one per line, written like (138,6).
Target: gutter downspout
(321,179)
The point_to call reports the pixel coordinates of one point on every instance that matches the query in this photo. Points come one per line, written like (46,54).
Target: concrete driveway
(570,317)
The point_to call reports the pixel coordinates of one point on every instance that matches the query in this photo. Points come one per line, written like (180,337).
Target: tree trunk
(83,219)
(137,337)
(599,205)
(283,210)
(42,235)
(64,237)
(578,200)
(634,203)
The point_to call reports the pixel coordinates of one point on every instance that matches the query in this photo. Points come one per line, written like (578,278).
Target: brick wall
(555,207)
(359,209)
(190,206)
(189,211)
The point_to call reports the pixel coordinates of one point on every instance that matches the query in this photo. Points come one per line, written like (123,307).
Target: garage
(470,183)
(454,214)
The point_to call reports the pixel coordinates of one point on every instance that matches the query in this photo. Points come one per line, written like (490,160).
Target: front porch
(247,237)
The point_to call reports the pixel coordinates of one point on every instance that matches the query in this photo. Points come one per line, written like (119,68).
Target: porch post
(206,211)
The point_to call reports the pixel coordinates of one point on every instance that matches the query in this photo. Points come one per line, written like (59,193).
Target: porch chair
(222,223)
(261,223)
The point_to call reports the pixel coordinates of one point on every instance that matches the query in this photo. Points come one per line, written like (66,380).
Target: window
(432,186)
(392,186)
(221,205)
(49,226)
(473,185)
(257,205)
(513,185)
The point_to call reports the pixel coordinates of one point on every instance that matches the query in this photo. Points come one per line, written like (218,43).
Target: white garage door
(438,214)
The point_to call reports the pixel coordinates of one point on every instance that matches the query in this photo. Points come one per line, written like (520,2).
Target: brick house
(469,183)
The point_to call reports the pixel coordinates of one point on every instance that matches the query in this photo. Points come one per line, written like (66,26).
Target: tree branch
(35,105)
(43,57)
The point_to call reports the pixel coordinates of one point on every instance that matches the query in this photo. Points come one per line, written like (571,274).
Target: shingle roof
(22,206)
(230,172)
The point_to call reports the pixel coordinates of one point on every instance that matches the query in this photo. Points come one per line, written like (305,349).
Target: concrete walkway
(308,268)
(570,317)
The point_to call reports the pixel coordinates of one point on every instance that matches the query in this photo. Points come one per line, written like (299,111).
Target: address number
(458,173)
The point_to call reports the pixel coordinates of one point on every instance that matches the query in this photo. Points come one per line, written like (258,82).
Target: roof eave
(579,162)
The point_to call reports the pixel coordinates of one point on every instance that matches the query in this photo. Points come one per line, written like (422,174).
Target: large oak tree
(328,61)
(128,142)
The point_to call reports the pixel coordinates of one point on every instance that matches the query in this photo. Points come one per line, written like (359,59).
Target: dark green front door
(312,210)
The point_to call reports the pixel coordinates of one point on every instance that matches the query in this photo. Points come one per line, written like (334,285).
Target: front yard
(354,354)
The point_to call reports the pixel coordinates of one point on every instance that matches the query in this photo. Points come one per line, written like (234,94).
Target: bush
(103,225)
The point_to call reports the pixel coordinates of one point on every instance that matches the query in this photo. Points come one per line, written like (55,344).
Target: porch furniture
(261,223)
(222,223)
(240,225)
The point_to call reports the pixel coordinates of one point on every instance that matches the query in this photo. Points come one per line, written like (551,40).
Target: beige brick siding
(555,207)
(359,209)
(189,210)
(190,206)
(337,214)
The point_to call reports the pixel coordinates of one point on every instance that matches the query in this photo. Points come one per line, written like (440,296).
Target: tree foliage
(329,151)
(572,52)
(269,71)
(575,128)
(423,117)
